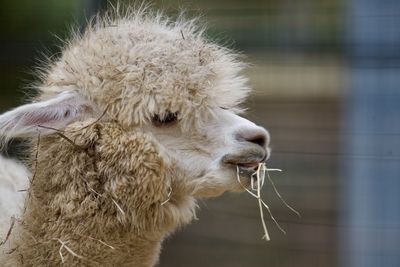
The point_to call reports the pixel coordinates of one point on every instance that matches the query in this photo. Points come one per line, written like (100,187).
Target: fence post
(370,199)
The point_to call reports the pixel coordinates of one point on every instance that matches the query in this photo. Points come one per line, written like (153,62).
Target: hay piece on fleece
(168,196)
(118,207)
(64,245)
(98,240)
(9,231)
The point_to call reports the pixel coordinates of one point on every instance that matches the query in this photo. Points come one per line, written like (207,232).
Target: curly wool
(143,64)
(107,188)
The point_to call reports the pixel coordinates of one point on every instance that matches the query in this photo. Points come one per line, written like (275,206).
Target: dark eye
(169,118)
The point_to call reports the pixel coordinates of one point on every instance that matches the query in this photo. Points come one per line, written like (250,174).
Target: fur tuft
(150,58)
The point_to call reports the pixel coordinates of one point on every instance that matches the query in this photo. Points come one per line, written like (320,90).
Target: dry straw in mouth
(256,186)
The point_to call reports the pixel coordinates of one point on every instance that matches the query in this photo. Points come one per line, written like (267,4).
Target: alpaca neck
(97,206)
(81,243)
(101,235)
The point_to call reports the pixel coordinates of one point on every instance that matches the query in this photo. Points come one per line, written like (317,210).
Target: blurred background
(326,79)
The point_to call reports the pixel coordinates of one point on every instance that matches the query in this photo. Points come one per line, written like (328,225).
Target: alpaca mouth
(250,165)
(249,159)
(249,168)
(246,173)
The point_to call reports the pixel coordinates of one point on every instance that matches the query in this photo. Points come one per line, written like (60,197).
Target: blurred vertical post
(370,235)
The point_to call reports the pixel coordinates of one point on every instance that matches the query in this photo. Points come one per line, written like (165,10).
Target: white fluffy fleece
(143,64)
(13,183)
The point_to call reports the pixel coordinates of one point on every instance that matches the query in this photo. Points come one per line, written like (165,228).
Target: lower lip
(252,165)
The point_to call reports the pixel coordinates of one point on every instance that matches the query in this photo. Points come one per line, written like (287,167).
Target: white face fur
(209,155)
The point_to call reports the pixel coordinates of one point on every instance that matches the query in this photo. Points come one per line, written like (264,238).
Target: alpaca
(134,122)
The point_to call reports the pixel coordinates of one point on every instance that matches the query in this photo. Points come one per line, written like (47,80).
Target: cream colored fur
(13,180)
(107,189)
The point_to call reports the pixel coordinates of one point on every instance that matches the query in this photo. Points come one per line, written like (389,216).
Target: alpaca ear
(56,112)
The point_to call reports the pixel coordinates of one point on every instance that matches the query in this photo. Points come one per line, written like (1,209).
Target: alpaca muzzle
(248,158)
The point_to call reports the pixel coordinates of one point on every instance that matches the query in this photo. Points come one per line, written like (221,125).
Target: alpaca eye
(168,119)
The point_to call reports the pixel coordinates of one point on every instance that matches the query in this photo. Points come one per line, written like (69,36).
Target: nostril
(259,140)
(258,136)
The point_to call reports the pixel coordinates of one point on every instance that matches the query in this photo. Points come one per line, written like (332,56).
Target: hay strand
(97,120)
(168,196)
(98,240)
(60,133)
(256,186)
(64,245)
(277,192)
(118,207)
(9,231)
(36,156)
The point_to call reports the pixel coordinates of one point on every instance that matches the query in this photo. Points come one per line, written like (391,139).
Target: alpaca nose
(255,135)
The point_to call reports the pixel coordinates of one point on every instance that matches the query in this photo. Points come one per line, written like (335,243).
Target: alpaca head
(160,78)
